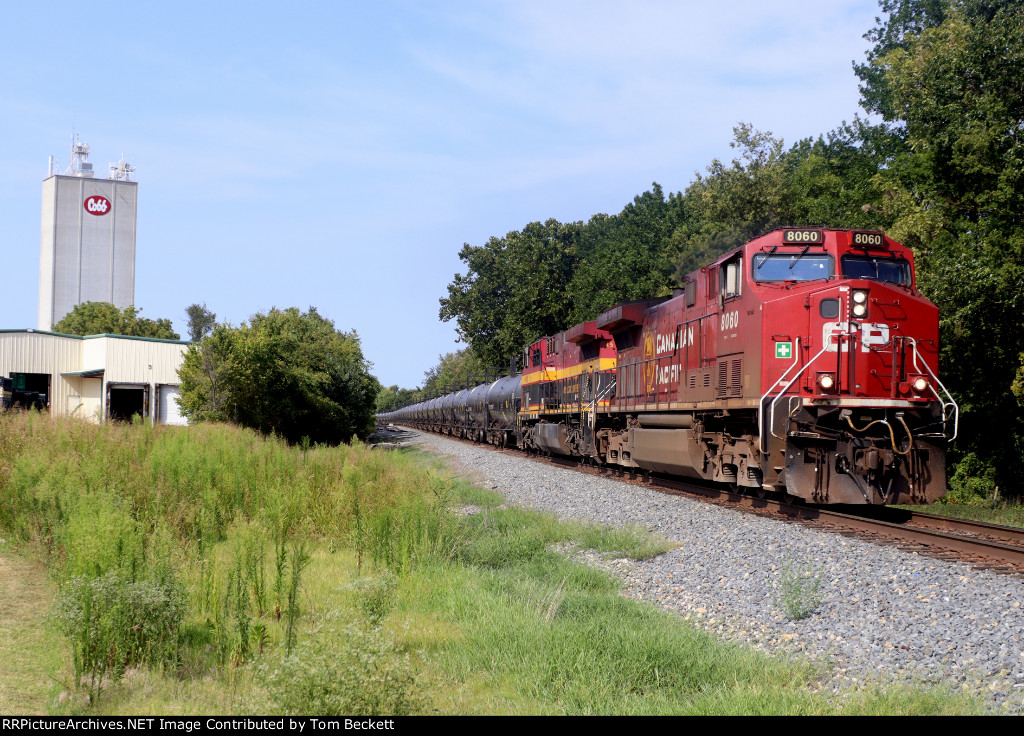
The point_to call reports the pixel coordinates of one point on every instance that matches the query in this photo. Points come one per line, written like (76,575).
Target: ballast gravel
(886,615)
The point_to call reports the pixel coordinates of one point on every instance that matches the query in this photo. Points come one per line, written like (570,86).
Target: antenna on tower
(122,170)
(80,165)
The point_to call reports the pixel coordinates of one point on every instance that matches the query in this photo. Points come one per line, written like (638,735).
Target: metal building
(87,251)
(97,377)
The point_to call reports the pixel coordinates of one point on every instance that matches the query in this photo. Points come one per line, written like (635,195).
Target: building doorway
(29,390)
(124,401)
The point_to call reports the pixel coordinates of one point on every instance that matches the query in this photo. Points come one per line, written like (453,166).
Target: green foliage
(391,398)
(343,670)
(905,19)
(972,481)
(286,373)
(732,204)
(944,74)
(113,623)
(297,562)
(624,257)
(537,281)
(516,289)
(453,371)
(798,591)
(376,596)
(549,276)
(201,321)
(99,534)
(995,510)
(96,318)
(507,537)
(525,633)
(210,535)
(207,376)
(826,181)
(1017,387)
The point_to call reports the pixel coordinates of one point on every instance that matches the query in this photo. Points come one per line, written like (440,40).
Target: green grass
(1005,513)
(31,653)
(421,593)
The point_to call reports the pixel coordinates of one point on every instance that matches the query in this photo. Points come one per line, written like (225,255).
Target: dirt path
(27,652)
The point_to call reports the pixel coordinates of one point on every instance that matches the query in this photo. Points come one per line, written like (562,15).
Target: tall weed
(798,591)
(343,669)
(113,623)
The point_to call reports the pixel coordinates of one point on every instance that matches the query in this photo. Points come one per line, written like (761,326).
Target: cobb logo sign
(97,205)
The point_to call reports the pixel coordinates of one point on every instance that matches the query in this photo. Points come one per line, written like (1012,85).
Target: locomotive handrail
(592,421)
(945,404)
(760,404)
(771,418)
(597,399)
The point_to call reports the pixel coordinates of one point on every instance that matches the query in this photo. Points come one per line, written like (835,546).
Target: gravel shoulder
(886,615)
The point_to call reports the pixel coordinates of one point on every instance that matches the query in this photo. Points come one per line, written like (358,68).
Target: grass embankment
(1003,512)
(209,570)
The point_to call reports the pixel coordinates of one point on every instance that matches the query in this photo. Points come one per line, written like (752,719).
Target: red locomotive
(804,362)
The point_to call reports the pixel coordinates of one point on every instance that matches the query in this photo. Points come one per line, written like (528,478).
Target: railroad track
(984,546)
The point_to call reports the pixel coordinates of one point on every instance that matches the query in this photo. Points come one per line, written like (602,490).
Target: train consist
(803,363)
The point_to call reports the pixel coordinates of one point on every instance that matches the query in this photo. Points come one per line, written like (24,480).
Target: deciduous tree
(945,76)
(285,372)
(97,318)
(200,321)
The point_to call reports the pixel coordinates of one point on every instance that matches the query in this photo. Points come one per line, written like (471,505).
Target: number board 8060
(803,236)
(868,240)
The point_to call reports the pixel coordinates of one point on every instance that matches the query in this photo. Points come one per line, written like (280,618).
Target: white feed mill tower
(87,251)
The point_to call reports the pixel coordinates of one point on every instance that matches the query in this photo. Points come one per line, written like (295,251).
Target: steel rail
(1009,549)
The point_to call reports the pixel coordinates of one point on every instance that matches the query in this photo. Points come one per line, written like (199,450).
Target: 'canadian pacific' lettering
(667,343)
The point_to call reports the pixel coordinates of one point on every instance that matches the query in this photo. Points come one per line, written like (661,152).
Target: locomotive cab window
(730,279)
(792,266)
(893,270)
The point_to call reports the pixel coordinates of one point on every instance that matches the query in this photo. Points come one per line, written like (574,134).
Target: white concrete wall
(85,257)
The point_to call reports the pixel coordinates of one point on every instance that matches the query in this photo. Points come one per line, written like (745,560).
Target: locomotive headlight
(860,302)
(826,381)
(920,384)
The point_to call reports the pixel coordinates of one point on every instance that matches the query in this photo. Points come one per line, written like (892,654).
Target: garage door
(169,410)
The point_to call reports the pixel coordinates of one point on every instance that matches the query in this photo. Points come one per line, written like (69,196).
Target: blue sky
(338,154)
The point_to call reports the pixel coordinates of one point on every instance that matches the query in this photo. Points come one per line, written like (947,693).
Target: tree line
(941,172)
